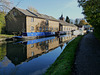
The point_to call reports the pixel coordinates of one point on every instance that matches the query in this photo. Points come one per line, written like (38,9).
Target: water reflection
(2,51)
(47,49)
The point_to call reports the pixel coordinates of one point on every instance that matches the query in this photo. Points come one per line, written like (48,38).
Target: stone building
(66,27)
(27,22)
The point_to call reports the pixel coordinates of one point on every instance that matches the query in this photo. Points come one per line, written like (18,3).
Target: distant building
(66,27)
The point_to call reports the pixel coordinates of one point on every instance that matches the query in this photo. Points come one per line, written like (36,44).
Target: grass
(64,63)
(97,35)
(5,36)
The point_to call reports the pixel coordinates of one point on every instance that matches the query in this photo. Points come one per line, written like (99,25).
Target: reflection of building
(65,38)
(2,51)
(53,43)
(18,53)
(42,47)
(36,49)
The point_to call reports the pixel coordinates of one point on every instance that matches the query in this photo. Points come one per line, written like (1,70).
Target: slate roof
(36,14)
(66,24)
(25,12)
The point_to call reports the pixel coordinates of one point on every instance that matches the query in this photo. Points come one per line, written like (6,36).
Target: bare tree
(5,5)
(32,9)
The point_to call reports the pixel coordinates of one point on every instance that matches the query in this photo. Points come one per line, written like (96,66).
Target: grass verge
(97,35)
(5,36)
(64,63)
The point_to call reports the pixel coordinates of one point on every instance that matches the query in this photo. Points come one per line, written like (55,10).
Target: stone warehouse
(24,21)
(30,23)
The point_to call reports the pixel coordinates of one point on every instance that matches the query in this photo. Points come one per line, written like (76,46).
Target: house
(65,27)
(29,23)
(81,29)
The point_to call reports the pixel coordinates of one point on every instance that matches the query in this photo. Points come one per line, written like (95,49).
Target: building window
(46,22)
(46,47)
(15,13)
(32,19)
(32,45)
(52,40)
(46,28)
(32,53)
(32,28)
(64,28)
(40,29)
(43,28)
(46,42)
(68,28)
(40,43)
(56,28)
(49,28)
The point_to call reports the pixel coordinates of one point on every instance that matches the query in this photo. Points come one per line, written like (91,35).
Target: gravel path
(88,57)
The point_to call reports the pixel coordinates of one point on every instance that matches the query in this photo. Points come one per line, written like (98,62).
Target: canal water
(31,57)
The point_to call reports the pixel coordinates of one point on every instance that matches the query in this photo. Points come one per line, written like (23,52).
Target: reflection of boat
(24,51)
(36,40)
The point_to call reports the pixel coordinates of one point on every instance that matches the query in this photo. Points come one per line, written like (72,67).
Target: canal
(31,57)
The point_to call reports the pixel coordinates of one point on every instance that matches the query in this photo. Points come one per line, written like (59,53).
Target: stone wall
(15,21)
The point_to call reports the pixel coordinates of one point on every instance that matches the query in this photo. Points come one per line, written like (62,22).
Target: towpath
(87,60)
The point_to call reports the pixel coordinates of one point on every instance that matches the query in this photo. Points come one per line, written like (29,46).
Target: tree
(71,22)
(76,21)
(67,19)
(91,10)
(2,22)
(82,22)
(32,9)
(5,5)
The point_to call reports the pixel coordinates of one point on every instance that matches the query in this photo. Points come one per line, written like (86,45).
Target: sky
(53,7)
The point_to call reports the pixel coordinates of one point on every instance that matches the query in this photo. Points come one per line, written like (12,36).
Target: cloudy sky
(53,7)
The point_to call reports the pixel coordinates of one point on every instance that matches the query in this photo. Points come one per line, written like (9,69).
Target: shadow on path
(88,57)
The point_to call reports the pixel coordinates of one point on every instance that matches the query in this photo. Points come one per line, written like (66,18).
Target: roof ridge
(31,12)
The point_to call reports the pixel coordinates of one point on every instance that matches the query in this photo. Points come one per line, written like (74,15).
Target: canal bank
(64,63)
(3,37)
